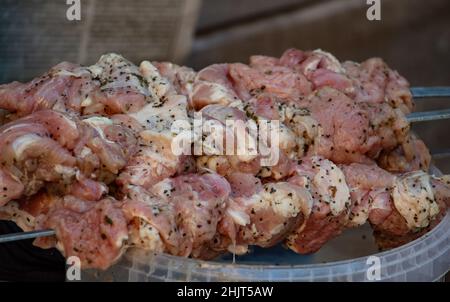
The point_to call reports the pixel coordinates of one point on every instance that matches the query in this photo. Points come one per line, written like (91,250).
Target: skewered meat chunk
(212,86)
(179,215)
(330,208)
(181,78)
(218,137)
(155,159)
(199,202)
(411,156)
(151,222)
(96,232)
(399,208)
(259,214)
(31,156)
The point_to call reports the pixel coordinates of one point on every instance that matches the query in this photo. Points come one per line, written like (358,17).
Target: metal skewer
(429,92)
(428,116)
(25,235)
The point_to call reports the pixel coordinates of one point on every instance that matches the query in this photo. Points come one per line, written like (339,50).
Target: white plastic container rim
(424,259)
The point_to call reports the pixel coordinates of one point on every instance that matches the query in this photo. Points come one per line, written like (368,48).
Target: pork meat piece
(330,208)
(180,77)
(95,232)
(199,202)
(261,215)
(155,127)
(400,207)
(179,215)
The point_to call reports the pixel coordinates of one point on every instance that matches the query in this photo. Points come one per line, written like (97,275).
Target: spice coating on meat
(91,148)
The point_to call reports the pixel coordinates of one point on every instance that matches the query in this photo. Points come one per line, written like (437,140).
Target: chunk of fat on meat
(104,146)
(393,230)
(159,117)
(34,146)
(22,143)
(62,127)
(285,199)
(300,121)
(98,122)
(66,173)
(329,181)
(205,93)
(295,128)
(114,65)
(212,86)
(312,61)
(329,61)
(226,164)
(145,236)
(286,140)
(158,84)
(149,166)
(32,157)
(123,87)
(181,77)
(413,197)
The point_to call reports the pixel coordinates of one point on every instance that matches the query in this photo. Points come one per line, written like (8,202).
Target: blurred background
(413,36)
